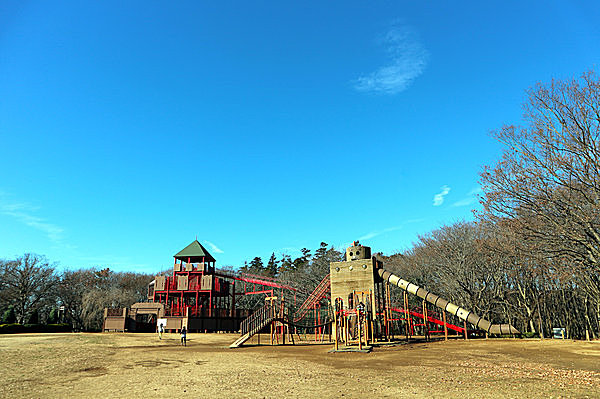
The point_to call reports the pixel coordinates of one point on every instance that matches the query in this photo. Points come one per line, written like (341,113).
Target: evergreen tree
(34,317)
(322,251)
(53,316)
(319,266)
(272,266)
(9,316)
(303,261)
(256,266)
(285,264)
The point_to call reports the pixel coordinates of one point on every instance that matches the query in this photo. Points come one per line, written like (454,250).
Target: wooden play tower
(196,295)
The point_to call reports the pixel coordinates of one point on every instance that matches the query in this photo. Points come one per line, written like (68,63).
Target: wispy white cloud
(25,213)
(469,199)
(373,234)
(438,199)
(464,202)
(116,262)
(292,251)
(370,235)
(214,247)
(408,59)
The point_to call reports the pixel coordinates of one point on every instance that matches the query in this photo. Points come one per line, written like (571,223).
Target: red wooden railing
(315,297)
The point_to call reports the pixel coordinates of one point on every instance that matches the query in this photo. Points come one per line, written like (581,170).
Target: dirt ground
(139,365)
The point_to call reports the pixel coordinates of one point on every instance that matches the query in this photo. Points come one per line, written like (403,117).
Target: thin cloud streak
(23,213)
(214,247)
(438,199)
(471,197)
(408,59)
(113,261)
(373,234)
(464,202)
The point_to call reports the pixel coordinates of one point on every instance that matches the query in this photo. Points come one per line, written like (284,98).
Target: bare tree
(547,183)
(28,284)
(71,289)
(460,269)
(85,293)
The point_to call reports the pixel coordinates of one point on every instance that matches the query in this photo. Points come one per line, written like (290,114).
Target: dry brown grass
(139,365)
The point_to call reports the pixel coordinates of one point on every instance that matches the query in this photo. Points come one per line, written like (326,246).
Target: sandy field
(115,365)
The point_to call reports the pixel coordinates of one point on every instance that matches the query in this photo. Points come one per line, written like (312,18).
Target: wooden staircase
(254,323)
(315,297)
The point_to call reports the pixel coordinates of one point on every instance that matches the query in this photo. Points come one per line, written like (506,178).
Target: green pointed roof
(194,252)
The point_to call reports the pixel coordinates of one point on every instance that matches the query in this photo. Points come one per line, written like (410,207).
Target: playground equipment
(280,319)
(197,296)
(352,303)
(362,311)
(358,296)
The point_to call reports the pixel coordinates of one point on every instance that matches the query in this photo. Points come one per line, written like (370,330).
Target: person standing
(183,336)
(161,329)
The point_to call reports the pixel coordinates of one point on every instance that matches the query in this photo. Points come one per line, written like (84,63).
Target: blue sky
(129,128)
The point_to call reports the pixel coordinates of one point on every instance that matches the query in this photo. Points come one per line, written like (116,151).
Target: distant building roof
(195,252)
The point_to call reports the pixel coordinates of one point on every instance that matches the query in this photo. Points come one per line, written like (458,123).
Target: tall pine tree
(272,266)
(256,266)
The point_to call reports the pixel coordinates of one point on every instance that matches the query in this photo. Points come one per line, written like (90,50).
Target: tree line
(530,257)
(33,292)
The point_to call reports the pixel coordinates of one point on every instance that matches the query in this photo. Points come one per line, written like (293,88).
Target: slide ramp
(461,313)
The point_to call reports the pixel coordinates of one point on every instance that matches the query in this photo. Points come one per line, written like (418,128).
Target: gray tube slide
(478,322)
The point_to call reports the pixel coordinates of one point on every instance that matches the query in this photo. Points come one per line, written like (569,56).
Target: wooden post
(359,332)
(386,307)
(345,327)
(315,322)
(406,316)
(425,326)
(335,328)
(445,326)
(388,332)
(281,315)
(465,327)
